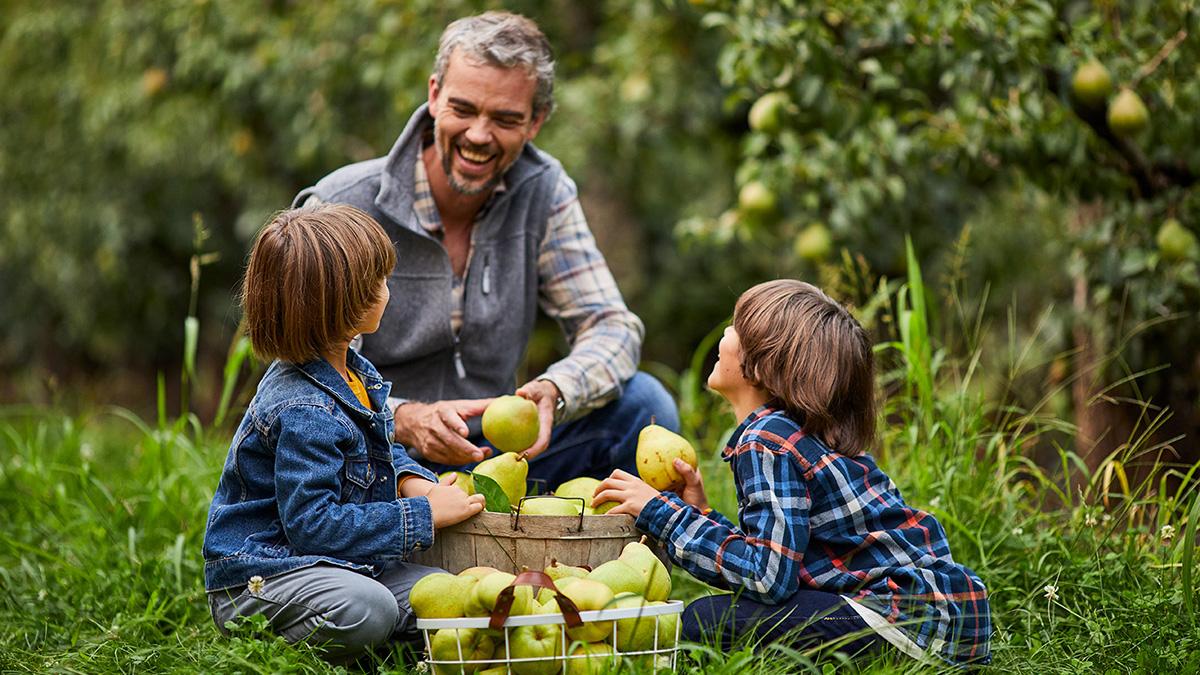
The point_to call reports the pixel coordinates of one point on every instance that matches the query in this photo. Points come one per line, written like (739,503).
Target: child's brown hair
(313,274)
(812,358)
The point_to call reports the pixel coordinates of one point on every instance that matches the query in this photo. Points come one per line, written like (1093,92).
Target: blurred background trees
(716,144)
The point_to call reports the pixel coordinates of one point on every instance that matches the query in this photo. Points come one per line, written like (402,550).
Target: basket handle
(536,579)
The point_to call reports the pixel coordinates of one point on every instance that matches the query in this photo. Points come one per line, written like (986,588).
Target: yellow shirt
(357,387)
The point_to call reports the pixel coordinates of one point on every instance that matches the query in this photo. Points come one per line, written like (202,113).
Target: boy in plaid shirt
(825,549)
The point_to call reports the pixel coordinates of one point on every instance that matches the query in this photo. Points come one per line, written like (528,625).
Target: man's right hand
(439,431)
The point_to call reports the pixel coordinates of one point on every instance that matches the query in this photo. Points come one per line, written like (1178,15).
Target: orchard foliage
(890,118)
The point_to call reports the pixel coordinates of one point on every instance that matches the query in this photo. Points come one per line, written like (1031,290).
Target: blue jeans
(806,619)
(600,441)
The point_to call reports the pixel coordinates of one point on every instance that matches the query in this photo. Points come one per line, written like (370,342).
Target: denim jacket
(311,477)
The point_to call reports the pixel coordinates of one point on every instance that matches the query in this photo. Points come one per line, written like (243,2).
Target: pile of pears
(1091,87)
(637,578)
(510,423)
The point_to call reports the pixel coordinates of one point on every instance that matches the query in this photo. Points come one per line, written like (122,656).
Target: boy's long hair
(313,274)
(812,358)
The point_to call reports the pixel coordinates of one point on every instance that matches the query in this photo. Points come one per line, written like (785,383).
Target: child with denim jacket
(316,511)
(825,549)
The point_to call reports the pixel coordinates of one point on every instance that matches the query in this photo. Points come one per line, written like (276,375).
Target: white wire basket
(663,655)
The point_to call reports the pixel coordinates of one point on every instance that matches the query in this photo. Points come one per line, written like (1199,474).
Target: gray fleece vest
(415,347)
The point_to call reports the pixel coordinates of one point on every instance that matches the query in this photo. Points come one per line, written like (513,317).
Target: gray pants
(347,611)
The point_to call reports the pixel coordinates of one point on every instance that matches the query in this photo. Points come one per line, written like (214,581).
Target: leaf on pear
(494,498)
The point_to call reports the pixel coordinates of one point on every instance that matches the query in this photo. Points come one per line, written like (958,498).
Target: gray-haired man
(487,229)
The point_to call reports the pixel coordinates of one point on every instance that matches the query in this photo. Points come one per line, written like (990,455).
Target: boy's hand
(630,492)
(450,505)
(693,485)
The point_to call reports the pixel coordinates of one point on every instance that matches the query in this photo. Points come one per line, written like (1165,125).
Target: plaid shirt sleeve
(763,556)
(578,291)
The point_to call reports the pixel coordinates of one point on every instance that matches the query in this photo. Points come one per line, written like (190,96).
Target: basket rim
(671,607)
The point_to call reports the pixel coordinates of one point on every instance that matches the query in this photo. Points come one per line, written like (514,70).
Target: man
(488,228)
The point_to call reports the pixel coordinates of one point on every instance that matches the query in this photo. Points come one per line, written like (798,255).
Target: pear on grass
(511,423)
(509,470)
(656,580)
(657,450)
(440,596)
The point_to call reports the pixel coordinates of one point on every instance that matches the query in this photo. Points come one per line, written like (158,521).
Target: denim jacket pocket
(358,474)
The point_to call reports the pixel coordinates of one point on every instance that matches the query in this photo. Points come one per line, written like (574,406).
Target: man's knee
(650,399)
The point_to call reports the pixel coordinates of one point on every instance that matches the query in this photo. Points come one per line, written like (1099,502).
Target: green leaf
(496,499)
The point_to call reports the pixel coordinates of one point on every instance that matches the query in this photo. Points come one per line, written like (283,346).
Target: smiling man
(487,229)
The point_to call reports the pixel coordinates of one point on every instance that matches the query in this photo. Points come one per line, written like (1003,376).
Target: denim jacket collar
(328,378)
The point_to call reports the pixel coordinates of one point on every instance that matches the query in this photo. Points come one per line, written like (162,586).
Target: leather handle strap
(536,579)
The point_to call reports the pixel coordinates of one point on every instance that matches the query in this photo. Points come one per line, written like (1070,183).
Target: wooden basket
(514,542)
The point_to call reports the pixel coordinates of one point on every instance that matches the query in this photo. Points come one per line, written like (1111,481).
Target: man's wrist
(560,402)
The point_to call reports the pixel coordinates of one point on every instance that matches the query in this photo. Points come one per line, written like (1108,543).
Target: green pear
(536,642)
(1091,85)
(476,644)
(548,506)
(1127,114)
(584,487)
(657,450)
(511,423)
(668,625)
(497,670)
(464,481)
(509,471)
(637,633)
(1176,242)
(591,658)
(546,595)
(588,596)
(440,596)
(618,575)
(483,598)
(656,580)
(477,572)
(556,570)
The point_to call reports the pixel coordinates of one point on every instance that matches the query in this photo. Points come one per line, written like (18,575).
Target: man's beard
(455,184)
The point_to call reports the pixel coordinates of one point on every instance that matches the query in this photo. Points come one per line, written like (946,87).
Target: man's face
(483,116)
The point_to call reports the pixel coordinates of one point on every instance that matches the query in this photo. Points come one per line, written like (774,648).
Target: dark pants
(807,619)
(603,440)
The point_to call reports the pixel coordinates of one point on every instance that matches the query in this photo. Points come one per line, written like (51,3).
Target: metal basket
(500,625)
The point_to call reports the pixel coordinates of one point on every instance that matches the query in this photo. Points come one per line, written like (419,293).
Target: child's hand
(693,485)
(450,505)
(630,492)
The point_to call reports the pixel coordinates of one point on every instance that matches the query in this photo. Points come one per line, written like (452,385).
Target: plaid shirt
(813,518)
(576,289)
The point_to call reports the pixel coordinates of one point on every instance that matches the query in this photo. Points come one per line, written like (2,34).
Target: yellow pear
(584,488)
(656,580)
(478,572)
(591,658)
(556,570)
(440,596)
(636,633)
(1127,115)
(509,471)
(618,575)
(476,645)
(511,423)
(657,450)
(546,595)
(483,597)
(589,595)
(668,625)
(543,642)
(548,506)
(463,483)
(1091,85)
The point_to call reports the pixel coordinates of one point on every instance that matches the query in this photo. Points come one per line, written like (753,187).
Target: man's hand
(450,505)
(545,394)
(693,485)
(439,430)
(630,492)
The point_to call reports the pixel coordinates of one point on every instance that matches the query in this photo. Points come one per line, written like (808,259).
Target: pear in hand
(509,470)
(511,423)
(657,450)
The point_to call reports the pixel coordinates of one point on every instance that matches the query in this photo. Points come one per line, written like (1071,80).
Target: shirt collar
(426,208)
(731,445)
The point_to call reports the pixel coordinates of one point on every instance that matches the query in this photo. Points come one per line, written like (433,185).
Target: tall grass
(1089,571)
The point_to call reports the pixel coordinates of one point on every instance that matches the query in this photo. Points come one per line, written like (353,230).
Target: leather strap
(536,579)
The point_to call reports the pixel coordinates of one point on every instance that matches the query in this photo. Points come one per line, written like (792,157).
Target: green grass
(103,517)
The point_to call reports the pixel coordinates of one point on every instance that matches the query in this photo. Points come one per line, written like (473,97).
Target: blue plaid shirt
(812,518)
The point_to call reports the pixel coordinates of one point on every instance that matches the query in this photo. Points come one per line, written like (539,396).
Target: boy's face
(726,376)
(374,315)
